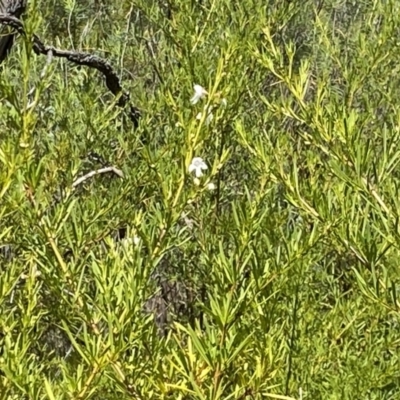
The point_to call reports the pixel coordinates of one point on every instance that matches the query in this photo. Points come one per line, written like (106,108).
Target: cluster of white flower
(135,240)
(209,117)
(198,165)
(200,93)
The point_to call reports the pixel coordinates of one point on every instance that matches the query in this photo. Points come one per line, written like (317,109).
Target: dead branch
(90,174)
(81,58)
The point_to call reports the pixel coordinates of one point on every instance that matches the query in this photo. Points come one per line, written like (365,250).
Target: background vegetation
(275,275)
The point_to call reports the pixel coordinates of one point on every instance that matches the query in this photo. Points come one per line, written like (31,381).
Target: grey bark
(13,8)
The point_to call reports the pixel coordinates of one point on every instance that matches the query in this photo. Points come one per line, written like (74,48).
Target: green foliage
(274,274)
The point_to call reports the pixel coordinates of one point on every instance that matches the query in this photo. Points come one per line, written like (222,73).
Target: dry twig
(83,178)
(80,58)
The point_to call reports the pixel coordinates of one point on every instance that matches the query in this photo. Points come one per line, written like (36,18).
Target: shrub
(244,244)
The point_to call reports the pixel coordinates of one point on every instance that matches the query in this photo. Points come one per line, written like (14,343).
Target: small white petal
(209,118)
(211,186)
(195,99)
(196,181)
(200,90)
(198,173)
(198,161)
(199,93)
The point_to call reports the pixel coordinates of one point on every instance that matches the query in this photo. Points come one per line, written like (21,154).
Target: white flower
(209,118)
(197,166)
(199,93)
(127,242)
(211,186)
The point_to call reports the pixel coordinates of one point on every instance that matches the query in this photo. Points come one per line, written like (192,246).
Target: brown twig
(81,58)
